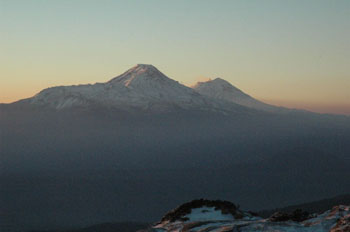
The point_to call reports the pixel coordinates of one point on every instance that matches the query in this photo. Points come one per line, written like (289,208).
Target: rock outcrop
(223,216)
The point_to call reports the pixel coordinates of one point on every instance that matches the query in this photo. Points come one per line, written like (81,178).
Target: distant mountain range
(144,87)
(141,143)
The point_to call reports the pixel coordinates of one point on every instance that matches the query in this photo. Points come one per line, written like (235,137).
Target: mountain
(207,215)
(142,87)
(141,143)
(223,90)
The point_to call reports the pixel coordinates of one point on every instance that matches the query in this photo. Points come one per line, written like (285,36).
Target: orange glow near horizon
(314,107)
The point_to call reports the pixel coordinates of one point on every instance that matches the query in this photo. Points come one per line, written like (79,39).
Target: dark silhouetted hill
(311,207)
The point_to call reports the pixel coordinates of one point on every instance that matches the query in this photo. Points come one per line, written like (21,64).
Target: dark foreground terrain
(106,227)
(288,215)
(71,170)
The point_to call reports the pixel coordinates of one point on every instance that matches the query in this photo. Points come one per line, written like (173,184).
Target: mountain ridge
(142,87)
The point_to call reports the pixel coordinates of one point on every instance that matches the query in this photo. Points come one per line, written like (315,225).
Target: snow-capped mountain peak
(223,90)
(139,74)
(218,85)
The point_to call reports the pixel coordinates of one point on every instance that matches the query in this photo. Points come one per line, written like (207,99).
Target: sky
(294,53)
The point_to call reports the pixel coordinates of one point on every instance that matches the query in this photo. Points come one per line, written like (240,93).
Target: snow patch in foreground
(208,214)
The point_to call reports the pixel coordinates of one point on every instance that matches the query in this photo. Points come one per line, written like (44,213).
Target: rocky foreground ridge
(223,216)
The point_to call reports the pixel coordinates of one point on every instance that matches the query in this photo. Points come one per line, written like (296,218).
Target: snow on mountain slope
(194,217)
(141,87)
(223,90)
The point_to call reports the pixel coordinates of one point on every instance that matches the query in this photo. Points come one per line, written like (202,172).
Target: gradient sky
(291,53)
